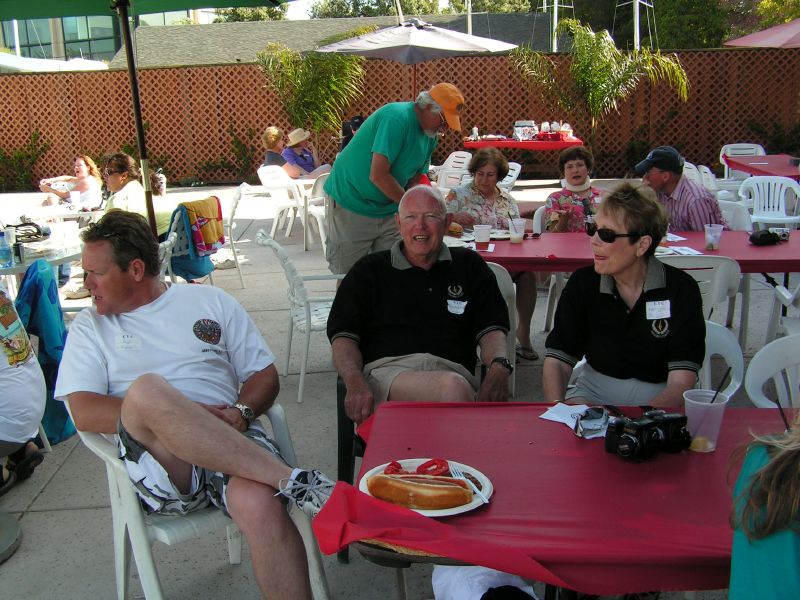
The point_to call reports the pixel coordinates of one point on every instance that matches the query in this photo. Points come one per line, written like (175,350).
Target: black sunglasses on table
(606,235)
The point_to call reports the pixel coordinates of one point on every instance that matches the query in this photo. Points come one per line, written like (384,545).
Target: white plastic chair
(737,217)
(740,149)
(716,276)
(690,171)
(181,246)
(514,169)
(229,224)
(135,531)
(721,342)
(165,254)
(710,183)
(317,208)
(790,324)
(456,160)
(769,196)
(286,195)
(557,280)
(307,313)
(507,289)
(778,361)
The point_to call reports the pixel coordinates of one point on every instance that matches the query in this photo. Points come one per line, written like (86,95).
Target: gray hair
(430,192)
(425,100)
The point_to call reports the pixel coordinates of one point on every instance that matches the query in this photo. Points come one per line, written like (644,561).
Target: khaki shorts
(380,373)
(602,389)
(352,236)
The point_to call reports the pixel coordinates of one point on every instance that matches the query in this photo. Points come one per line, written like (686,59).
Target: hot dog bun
(455,230)
(427,492)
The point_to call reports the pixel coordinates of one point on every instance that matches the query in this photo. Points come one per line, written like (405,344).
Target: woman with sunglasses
(637,322)
(569,208)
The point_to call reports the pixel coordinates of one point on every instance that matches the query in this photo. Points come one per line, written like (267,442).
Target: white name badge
(657,310)
(128,341)
(456,307)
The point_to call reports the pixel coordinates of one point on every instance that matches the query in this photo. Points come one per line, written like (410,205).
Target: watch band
(247,413)
(504,362)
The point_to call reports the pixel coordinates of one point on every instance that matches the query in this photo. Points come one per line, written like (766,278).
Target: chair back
(318,189)
(784,299)
(457,160)
(165,253)
(452,177)
(538,220)
(740,149)
(280,186)
(506,285)
(769,195)
(720,341)
(736,215)
(716,276)
(708,179)
(297,292)
(514,169)
(778,361)
(691,172)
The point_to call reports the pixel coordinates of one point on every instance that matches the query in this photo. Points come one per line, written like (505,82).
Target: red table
(566,252)
(532,145)
(563,511)
(771,164)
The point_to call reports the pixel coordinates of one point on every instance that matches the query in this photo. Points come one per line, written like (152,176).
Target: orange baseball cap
(452,102)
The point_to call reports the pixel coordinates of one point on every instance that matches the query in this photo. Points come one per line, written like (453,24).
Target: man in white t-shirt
(179,373)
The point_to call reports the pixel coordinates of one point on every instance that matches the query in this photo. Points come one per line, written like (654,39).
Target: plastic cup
(482,233)
(75,198)
(713,235)
(703,418)
(516,230)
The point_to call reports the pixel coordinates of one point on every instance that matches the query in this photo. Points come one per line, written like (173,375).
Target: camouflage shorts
(157,492)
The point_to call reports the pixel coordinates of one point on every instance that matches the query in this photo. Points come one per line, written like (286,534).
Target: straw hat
(298,135)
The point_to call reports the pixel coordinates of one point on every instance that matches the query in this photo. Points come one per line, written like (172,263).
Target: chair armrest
(330,277)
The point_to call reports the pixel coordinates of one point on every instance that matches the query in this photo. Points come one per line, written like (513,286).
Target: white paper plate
(410,464)
(500,234)
(452,242)
(664,251)
(466,237)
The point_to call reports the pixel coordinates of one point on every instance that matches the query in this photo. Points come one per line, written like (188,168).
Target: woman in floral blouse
(568,209)
(482,201)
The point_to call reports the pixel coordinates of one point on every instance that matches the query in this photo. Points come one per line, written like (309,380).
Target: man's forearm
(380,174)
(492,344)
(95,412)
(260,390)
(348,361)
(555,377)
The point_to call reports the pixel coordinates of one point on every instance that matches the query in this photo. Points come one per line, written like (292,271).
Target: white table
(54,255)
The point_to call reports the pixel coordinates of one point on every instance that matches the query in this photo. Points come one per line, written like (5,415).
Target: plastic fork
(457,473)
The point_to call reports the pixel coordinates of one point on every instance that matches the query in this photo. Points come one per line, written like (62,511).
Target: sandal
(6,481)
(24,468)
(526,353)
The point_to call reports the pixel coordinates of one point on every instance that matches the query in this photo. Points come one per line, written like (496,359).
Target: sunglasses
(107,173)
(606,235)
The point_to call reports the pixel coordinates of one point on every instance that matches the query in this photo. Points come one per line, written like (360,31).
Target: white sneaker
(310,491)
(228,263)
(76,293)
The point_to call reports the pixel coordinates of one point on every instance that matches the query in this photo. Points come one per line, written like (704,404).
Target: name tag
(128,341)
(456,307)
(657,310)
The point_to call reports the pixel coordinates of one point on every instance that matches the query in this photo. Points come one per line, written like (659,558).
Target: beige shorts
(380,373)
(352,236)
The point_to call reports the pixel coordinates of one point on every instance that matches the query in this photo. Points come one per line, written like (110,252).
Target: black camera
(640,438)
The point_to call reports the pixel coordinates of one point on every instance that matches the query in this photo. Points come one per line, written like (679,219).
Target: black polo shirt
(664,331)
(392,308)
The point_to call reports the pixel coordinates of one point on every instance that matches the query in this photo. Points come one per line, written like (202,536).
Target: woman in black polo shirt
(638,322)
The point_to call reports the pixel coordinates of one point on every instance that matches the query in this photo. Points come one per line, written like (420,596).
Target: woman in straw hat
(301,153)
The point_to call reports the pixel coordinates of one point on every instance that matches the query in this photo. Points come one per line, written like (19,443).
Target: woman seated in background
(766,520)
(86,180)
(568,209)
(122,176)
(275,143)
(482,201)
(302,154)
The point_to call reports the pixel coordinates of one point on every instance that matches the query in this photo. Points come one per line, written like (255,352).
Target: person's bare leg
(431,386)
(179,432)
(276,548)
(526,303)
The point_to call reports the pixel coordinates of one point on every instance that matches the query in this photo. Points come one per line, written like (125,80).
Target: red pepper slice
(394,468)
(435,466)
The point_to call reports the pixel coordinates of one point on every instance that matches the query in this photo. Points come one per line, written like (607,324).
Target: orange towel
(205,221)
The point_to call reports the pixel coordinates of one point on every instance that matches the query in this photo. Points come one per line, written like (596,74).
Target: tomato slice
(395,468)
(435,466)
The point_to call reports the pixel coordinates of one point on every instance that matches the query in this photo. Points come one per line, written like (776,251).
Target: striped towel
(205,222)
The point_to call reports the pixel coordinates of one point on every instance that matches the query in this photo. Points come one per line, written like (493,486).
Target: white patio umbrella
(415,41)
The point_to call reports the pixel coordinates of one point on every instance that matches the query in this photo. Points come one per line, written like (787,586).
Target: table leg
(401,583)
(305,222)
(745,318)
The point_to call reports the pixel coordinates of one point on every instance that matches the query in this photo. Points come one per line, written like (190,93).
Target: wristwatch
(503,361)
(247,413)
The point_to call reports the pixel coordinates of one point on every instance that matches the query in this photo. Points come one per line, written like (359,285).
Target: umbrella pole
(121,7)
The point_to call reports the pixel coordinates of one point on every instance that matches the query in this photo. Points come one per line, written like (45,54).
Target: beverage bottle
(6,258)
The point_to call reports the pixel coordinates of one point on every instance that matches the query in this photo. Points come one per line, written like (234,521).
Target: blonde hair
(771,501)
(271,137)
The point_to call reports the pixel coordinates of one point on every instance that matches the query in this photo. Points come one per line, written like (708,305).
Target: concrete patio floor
(66,550)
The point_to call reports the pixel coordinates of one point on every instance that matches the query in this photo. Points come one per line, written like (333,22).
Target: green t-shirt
(393,130)
(768,568)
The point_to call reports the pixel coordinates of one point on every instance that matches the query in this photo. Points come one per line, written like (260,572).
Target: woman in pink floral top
(481,201)
(567,209)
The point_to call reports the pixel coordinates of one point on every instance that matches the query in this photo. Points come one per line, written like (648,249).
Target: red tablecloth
(570,251)
(533,145)
(563,511)
(772,164)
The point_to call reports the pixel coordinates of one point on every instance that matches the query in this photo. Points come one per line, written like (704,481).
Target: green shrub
(16,166)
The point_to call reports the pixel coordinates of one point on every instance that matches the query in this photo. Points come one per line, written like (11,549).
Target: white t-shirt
(198,338)
(22,388)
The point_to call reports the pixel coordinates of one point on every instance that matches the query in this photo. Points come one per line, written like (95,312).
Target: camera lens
(628,446)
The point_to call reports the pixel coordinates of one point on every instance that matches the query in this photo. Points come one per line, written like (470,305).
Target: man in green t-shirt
(387,156)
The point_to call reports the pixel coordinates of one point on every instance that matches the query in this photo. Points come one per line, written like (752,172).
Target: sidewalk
(66,551)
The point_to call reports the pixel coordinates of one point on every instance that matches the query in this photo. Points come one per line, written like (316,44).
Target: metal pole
(121,7)
(469,17)
(555,25)
(399,10)
(636,42)
(16,37)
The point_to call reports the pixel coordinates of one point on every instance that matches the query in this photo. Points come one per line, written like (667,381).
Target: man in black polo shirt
(405,321)
(638,322)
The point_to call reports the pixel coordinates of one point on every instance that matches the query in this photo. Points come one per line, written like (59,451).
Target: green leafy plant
(600,76)
(16,166)
(315,89)
(241,162)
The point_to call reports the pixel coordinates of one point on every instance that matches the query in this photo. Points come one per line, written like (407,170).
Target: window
(90,37)
(34,37)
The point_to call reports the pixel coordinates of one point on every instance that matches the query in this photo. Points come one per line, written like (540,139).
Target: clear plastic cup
(713,235)
(516,230)
(704,418)
(482,234)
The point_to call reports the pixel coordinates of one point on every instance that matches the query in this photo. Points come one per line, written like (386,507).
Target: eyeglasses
(443,124)
(606,235)
(107,173)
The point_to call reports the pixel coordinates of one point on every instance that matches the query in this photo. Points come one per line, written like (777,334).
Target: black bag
(763,237)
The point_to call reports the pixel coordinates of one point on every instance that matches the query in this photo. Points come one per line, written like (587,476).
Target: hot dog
(427,492)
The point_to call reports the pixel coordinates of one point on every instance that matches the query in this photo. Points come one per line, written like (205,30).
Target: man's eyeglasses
(606,235)
(443,124)
(108,173)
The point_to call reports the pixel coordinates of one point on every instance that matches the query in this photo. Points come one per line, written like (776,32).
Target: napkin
(671,237)
(568,414)
(686,251)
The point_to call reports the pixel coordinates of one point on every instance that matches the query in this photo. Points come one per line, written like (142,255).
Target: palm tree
(601,75)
